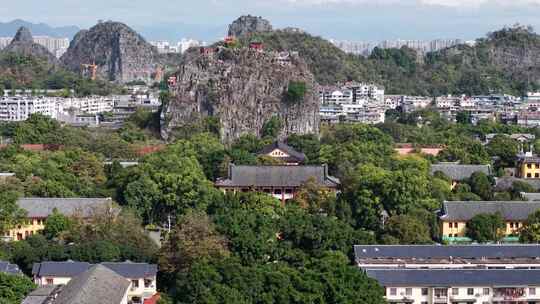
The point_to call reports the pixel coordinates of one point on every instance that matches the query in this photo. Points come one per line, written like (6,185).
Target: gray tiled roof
(510,210)
(39,207)
(277,176)
(459,172)
(128,270)
(43,295)
(9,268)
(98,284)
(294,155)
(438,251)
(133,270)
(531,196)
(66,269)
(505,183)
(453,277)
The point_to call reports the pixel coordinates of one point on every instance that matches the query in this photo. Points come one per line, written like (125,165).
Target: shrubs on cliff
(296,91)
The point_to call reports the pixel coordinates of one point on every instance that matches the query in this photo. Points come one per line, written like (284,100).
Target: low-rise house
(506,183)
(457,172)
(431,286)
(521,137)
(455,216)
(97,284)
(284,153)
(282,182)
(7,267)
(528,166)
(38,209)
(519,256)
(531,196)
(141,276)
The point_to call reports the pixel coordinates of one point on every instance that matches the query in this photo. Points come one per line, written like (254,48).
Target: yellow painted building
(38,209)
(456,215)
(528,167)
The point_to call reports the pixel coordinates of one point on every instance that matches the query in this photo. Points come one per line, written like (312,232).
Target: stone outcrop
(23,43)
(243,89)
(120,53)
(246,25)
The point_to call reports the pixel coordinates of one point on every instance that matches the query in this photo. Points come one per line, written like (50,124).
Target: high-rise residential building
(57,46)
(365,48)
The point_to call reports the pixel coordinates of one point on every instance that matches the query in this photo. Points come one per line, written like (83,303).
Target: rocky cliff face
(246,25)
(120,53)
(23,43)
(243,89)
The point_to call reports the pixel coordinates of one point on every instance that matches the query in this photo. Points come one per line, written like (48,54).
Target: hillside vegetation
(506,61)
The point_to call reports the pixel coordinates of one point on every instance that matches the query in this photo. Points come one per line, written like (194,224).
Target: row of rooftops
(509,210)
(68,269)
(447,266)
(97,284)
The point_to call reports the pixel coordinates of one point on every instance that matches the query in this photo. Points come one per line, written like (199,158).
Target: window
(277,191)
(288,191)
(393,291)
(49,281)
(532,291)
(455,291)
(424,291)
(470,291)
(486,291)
(135,283)
(408,291)
(456,225)
(450,225)
(148,283)
(423,302)
(529,166)
(511,225)
(528,175)
(537,175)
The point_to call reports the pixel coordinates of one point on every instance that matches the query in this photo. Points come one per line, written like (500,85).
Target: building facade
(38,209)
(455,216)
(281,182)
(141,276)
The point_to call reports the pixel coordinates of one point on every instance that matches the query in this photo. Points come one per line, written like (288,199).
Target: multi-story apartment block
(141,277)
(20,108)
(92,104)
(430,286)
(455,216)
(453,274)
(519,256)
(57,46)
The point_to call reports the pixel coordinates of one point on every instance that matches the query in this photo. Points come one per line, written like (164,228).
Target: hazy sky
(370,20)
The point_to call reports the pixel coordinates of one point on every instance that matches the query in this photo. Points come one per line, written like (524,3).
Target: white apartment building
(336,97)
(456,274)
(57,46)
(533,96)
(458,286)
(92,104)
(20,108)
(142,276)
(5,41)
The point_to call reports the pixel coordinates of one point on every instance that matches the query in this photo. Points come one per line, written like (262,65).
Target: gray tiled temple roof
(39,207)
(459,172)
(509,210)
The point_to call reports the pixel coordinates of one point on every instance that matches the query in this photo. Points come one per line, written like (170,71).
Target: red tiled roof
(153,300)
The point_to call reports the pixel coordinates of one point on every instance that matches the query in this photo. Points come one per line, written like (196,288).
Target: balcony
(440,299)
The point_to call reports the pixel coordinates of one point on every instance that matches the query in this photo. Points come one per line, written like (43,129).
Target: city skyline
(355,20)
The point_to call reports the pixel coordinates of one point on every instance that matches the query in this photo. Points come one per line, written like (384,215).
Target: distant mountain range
(8,29)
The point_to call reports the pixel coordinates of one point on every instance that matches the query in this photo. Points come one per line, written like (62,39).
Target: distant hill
(8,29)
(506,61)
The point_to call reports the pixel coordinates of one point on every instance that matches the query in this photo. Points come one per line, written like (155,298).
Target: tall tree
(10,213)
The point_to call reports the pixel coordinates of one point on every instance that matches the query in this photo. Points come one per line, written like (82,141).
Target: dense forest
(248,247)
(506,61)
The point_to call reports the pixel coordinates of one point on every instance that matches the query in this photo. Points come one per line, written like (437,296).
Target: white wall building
(20,108)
